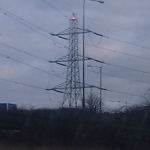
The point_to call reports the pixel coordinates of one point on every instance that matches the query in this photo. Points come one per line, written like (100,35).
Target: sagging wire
(58,74)
(89,35)
(49,98)
(56,44)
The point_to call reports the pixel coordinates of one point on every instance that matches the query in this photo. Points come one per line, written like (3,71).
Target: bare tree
(92,101)
(146,97)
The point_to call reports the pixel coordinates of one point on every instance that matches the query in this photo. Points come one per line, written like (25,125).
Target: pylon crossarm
(62,37)
(89,58)
(58,91)
(91,86)
(63,59)
(85,31)
(64,32)
(89,31)
(53,89)
(61,64)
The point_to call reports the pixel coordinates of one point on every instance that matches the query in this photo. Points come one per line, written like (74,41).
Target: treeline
(75,127)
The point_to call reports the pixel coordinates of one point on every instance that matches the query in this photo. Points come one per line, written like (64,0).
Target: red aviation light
(73,18)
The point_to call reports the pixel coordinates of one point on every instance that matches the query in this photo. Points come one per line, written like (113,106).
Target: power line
(130,43)
(114,51)
(63,73)
(27,53)
(24,84)
(97,19)
(48,61)
(118,65)
(23,22)
(136,70)
(32,86)
(27,24)
(117,51)
(119,92)
(104,100)
(102,21)
(16,49)
(107,63)
(88,58)
(58,2)
(50,5)
(127,78)
(55,74)
(128,68)
(116,26)
(28,85)
(124,93)
(137,45)
(31,66)
(144,47)
(118,77)
(34,28)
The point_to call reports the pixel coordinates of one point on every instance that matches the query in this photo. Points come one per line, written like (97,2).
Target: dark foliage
(75,127)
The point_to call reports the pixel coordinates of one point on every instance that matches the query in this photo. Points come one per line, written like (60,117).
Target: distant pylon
(72,88)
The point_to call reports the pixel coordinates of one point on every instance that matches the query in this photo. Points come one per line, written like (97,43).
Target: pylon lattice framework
(72,88)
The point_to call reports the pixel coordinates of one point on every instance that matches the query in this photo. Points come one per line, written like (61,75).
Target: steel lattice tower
(72,88)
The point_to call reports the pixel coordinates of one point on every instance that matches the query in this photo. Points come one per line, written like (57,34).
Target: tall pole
(100,87)
(83,101)
(100,79)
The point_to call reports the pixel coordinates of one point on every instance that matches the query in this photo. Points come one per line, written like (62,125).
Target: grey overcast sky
(26,47)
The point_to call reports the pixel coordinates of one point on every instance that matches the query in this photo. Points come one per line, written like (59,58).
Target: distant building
(8,106)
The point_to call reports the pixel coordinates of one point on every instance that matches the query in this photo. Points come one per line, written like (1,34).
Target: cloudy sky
(26,46)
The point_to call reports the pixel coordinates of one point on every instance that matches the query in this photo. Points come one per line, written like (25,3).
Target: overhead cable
(31,66)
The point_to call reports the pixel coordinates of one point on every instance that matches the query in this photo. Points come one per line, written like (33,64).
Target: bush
(77,127)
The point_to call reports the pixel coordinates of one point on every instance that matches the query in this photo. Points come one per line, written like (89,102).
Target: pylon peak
(73,17)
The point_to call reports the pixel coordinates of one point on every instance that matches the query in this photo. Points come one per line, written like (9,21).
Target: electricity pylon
(72,86)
